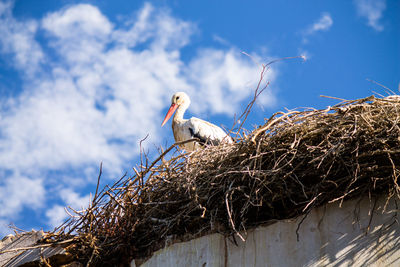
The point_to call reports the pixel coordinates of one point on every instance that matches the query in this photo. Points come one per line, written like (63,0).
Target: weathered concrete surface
(329,236)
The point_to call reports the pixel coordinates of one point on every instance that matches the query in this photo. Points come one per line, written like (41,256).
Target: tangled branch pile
(296,161)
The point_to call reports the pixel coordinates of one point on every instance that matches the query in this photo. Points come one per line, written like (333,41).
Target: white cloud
(220,77)
(157,26)
(79,33)
(17,192)
(18,39)
(324,23)
(83,19)
(372,10)
(106,88)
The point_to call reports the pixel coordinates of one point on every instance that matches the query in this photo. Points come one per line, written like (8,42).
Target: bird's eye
(177,97)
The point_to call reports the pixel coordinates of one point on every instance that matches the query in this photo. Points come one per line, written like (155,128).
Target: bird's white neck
(178,117)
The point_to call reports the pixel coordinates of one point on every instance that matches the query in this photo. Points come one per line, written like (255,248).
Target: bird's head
(179,99)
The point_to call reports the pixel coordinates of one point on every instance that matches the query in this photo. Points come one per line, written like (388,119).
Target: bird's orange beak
(171,111)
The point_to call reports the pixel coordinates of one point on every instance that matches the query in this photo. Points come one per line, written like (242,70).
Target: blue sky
(82,82)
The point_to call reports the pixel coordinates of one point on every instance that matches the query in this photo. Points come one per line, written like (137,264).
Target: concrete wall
(329,236)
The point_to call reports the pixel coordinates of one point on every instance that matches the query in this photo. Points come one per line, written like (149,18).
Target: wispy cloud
(18,40)
(18,192)
(218,77)
(372,10)
(102,88)
(324,23)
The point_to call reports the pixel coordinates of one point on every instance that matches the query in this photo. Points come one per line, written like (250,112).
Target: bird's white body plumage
(203,130)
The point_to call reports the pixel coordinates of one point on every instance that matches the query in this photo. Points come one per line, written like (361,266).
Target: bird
(186,129)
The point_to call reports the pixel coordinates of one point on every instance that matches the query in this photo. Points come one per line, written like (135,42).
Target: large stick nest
(296,161)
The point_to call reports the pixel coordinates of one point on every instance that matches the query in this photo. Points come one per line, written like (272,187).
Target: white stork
(206,132)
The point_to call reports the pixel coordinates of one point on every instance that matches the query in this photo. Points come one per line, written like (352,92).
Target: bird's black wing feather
(202,139)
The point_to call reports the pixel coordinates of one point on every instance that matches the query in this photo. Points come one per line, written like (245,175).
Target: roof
(24,250)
